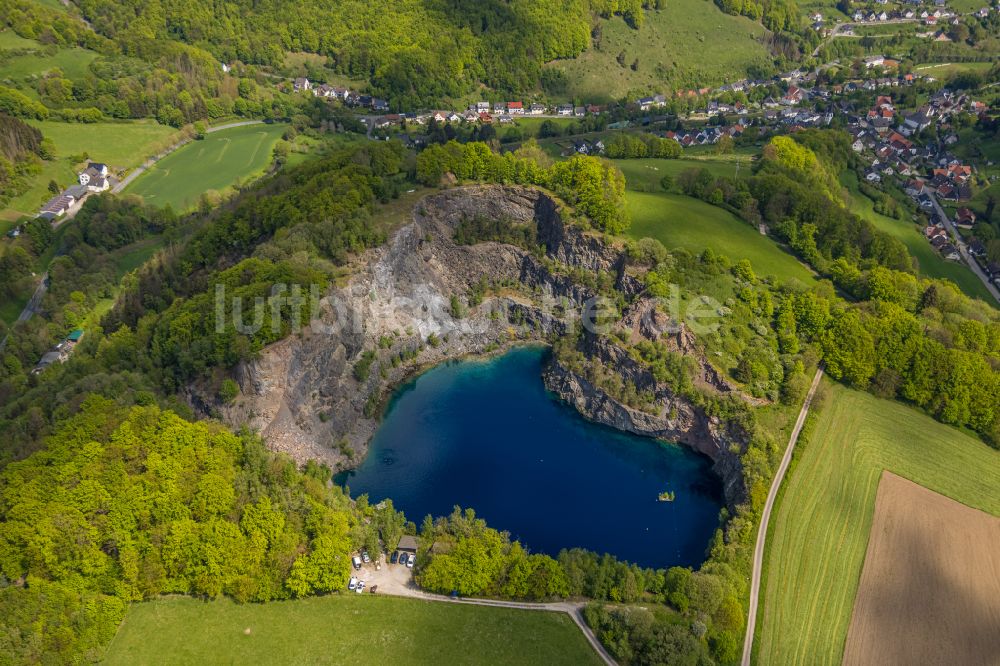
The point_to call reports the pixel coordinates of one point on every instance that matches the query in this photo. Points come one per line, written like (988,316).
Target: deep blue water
(487,435)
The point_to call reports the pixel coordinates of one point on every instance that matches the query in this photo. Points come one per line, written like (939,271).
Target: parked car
(356,561)
(394,557)
(410,559)
(353,583)
(360,588)
(365,556)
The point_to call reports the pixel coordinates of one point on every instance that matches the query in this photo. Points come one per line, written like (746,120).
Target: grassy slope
(344,630)
(690,43)
(214,163)
(931,263)
(645,174)
(819,529)
(120,145)
(681,221)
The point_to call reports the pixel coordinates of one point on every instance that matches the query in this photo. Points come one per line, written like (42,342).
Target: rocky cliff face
(309,397)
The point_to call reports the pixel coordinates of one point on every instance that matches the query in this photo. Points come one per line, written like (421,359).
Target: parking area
(396,579)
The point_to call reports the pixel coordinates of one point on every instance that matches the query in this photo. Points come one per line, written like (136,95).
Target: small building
(407,544)
(57,206)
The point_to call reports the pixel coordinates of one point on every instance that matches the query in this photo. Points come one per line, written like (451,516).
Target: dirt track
(930,587)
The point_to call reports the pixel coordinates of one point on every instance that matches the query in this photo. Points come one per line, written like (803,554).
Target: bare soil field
(930,587)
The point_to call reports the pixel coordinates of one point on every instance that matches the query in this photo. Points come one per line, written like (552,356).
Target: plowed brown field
(930,587)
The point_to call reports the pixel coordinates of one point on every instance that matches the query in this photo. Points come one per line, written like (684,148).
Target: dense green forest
(141,77)
(126,504)
(429,51)
(21,150)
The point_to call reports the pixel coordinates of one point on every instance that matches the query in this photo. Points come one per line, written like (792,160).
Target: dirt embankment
(308,398)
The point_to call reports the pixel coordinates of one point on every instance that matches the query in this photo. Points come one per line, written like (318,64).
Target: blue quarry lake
(487,435)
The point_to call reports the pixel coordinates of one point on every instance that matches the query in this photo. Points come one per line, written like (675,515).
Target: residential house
(94,177)
(536,109)
(301,84)
(964,218)
(515,108)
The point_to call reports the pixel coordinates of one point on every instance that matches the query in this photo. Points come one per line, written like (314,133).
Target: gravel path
(758,553)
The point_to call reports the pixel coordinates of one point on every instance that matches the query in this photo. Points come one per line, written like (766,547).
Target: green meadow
(819,529)
(217,162)
(681,221)
(120,145)
(344,629)
(645,174)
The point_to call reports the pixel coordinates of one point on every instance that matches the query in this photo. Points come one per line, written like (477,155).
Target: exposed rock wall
(302,393)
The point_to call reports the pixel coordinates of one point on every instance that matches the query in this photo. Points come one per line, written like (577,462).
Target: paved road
(138,171)
(758,553)
(31,306)
(963,250)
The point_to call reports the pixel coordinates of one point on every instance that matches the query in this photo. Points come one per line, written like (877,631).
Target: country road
(964,250)
(758,552)
(138,171)
(31,306)
(837,30)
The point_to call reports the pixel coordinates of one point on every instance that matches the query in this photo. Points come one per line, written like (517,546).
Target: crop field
(689,44)
(681,221)
(930,589)
(820,526)
(215,163)
(341,629)
(930,263)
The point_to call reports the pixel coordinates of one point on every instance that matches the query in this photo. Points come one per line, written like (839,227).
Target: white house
(95,177)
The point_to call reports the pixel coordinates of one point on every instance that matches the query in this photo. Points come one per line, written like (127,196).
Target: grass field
(72,61)
(689,44)
(947,69)
(119,145)
(214,163)
(680,221)
(122,145)
(820,525)
(344,630)
(931,264)
(644,174)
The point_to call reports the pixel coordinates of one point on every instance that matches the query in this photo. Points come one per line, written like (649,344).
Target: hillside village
(886,138)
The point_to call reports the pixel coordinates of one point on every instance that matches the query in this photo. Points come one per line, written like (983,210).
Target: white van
(356,561)
(353,583)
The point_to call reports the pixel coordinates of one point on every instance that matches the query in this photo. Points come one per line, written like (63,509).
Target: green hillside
(689,44)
